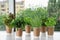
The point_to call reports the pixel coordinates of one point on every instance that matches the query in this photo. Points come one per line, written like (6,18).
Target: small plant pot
(19,32)
(28,28)
(50,31)
(8,29)
(36,32)
(43,29)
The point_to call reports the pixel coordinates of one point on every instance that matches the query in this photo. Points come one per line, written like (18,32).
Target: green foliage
(36,21)
(32,17)
(7,19)
(43,12)
(52,7)
(51,21)
(58,4)
(52,1)
(36,18)
(27,20)
(18,22)
(58,7)
(27,16)
(44,15)
(2,19)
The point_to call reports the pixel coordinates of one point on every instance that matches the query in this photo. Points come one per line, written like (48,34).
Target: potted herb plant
(18,23)
(7,21)
(50,23)
(44,15)
(36,22)
(27,13)
(27,25)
